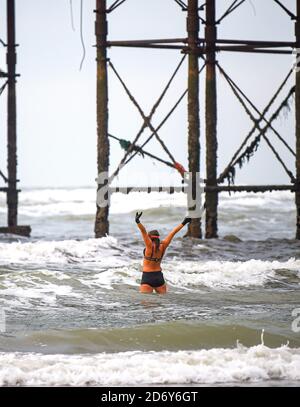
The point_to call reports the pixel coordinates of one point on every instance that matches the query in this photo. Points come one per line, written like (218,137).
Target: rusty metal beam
(218,188)
(248,48)
(202,50)
(233,45)
(101,221)
(148,41)
(254,43)
(194,228)
(233,6)
(258,44)
(145,45)
(252,188)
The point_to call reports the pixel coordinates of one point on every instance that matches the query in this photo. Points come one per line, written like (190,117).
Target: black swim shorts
(153,278)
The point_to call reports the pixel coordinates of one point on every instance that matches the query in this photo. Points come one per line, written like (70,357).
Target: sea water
(71,311)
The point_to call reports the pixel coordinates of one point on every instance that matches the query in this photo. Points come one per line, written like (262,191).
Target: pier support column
(194,229)
(12,193)
(297,111)
(101,222)
(12,190)
(211,198)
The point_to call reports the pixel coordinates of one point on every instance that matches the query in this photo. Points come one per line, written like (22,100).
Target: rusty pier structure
(201,54)
(9,77)
(198,55)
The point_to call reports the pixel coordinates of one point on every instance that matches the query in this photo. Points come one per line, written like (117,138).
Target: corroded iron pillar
(297,112)
(12,190)
(12,193)
(211,198)
(101,222)
(194,229)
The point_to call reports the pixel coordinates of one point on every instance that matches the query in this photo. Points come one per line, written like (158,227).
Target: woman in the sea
(152,278)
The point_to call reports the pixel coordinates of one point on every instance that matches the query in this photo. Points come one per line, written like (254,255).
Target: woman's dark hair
(156,240)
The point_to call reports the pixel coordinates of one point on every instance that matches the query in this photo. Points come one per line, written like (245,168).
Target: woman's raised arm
(170,236)
(147,240)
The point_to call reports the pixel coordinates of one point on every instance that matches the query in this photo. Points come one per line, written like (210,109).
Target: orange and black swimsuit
(153,278)
(152,274)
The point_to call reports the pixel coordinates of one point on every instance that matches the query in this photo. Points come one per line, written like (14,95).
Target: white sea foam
(239,365)
(39,270)
(46,292)
(26,287)
(109,265)
(225,274)
(60,252)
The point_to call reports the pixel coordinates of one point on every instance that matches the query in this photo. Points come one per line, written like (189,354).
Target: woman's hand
(137,217)
(186,220)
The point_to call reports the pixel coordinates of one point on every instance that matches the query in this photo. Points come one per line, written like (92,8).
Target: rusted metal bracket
(115,5)
(292,15)
(256,126)
(165,118)
(181,4)
(230,9)
(147,119)
(3,176)
(262,114)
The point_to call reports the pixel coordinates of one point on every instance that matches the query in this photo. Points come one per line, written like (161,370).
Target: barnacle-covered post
(12,193)
(211,198)
(12,162)
(194,229)
(297,111)
(101,222)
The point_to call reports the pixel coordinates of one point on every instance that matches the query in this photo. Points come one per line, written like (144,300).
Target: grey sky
(57,102)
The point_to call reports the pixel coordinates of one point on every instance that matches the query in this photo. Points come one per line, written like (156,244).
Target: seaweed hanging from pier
(285,108)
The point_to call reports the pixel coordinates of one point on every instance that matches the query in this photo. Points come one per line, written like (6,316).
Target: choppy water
(71,312)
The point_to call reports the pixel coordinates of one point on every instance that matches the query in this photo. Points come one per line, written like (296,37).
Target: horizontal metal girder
(218,188)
